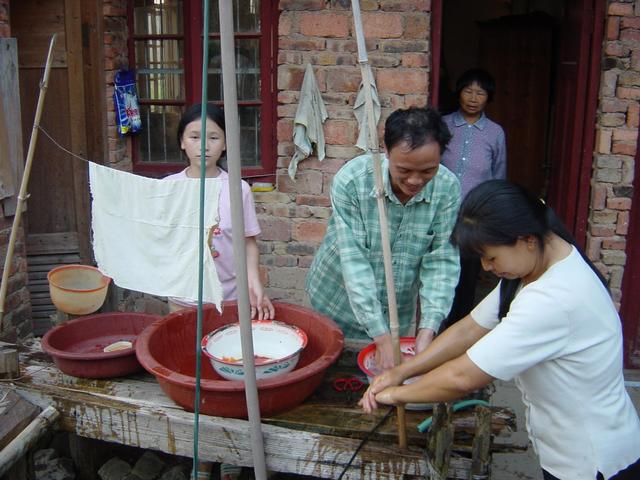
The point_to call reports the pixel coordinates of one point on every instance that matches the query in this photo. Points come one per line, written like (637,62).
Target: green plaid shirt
(425,264)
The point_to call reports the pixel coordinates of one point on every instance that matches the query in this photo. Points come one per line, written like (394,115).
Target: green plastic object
(424,426)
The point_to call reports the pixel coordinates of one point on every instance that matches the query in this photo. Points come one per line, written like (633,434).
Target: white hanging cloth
(307,125)
(360,113)
(145,233)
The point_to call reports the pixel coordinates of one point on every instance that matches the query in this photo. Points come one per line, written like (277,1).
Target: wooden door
(517,51)
(574,113)
(57,220)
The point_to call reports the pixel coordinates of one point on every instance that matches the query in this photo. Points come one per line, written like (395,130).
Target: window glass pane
(157,17)
(246,16)
(160,69)
(157,139)
(247,70)
(249,135)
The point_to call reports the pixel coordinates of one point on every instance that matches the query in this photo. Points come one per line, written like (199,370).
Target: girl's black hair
(498,212)
(479,76)
(416,126)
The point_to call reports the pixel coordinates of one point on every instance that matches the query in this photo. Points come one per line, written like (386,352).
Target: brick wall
(320,32)
(616,137)
(17,307)
(115,58)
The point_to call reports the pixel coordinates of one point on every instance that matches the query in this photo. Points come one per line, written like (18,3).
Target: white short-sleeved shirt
(562,342)
(222,239)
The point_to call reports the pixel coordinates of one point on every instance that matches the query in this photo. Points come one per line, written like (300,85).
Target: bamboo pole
(230,97)
(26,438)
(374,146)
(22,195)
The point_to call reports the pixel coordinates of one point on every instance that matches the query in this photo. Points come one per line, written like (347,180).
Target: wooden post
(9,367)
(440,440)
(374,147)
(25,439)
(480,456)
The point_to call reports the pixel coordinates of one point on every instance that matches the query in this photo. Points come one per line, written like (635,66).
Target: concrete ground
(525,466)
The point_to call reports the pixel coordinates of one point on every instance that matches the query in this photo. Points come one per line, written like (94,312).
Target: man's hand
(384,351)
(424,339)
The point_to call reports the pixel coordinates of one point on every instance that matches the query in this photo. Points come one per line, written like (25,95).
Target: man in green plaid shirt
(346,281)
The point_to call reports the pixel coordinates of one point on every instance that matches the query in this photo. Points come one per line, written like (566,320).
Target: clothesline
(91,161)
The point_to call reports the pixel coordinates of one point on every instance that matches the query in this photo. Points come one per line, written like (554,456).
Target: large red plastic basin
(76,346)
(167,350)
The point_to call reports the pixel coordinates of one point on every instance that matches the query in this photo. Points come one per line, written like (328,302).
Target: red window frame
(192,14)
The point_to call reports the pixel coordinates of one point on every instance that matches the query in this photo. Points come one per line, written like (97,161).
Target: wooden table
(317,438)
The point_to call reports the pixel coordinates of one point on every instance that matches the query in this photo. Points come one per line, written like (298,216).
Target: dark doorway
(544,56)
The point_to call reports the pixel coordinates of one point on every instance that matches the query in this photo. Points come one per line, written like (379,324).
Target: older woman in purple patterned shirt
(476,153)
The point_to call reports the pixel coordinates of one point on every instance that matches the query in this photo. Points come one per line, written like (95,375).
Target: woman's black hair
(416,127)
(194,112)
(479,76)
(498,212)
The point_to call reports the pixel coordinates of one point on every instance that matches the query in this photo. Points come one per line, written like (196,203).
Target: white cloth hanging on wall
(307,125)
(145,233)
(360,113)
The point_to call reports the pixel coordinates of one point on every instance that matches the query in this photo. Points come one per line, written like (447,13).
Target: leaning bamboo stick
(27,438)
(237,226)
(22,195)
(373,144)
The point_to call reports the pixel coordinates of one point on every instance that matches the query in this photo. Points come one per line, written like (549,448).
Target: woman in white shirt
(550,324)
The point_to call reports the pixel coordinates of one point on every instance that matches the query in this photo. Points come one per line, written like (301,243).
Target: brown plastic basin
(167,350)
(77,346)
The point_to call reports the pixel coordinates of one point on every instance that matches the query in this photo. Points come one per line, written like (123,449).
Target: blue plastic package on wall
(125,98)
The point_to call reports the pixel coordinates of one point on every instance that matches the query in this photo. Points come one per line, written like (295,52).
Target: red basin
(167,350)
(76,346)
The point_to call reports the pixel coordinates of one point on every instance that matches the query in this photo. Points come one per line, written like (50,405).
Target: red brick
(284,25)
(628,92)
(382,25)
(307,182)
(275,229)
(598,197)
(290,77)
(405,5)
(285,129)
(615,105)
(340,132)
(314,200)
(417,26)
(415,60)
(624,148)
(633,115)
(309,231)
(630,35)
(613,28)
(301,43)
(602,231)
(343,79)
(619,203)
(625,135)
(630,22)
(603,141)
(612,244)
(622,9)
(622,226)
(616,49)
(402,81)
(302,5)
(593,247)
(288,97)
(331,25)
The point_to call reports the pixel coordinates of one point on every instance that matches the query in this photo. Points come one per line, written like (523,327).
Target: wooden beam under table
(135,411)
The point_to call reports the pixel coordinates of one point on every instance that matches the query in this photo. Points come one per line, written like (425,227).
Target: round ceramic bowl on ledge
(276,348)
(77,289)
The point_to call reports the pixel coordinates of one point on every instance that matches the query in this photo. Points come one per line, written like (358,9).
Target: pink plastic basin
(167,350)
(77,346)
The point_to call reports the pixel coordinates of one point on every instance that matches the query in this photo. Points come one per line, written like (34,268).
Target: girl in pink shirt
(189,135)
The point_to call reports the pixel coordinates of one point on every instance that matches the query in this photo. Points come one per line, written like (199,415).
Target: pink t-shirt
(222,237)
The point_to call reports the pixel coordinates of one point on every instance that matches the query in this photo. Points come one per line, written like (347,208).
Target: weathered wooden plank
(15,415)
(52,243)
(47,262)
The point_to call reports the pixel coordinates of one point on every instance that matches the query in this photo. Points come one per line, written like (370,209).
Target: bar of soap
(121,345)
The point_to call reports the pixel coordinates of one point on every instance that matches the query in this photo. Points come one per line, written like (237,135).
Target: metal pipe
(22,196)
(373,144)
(232,122)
